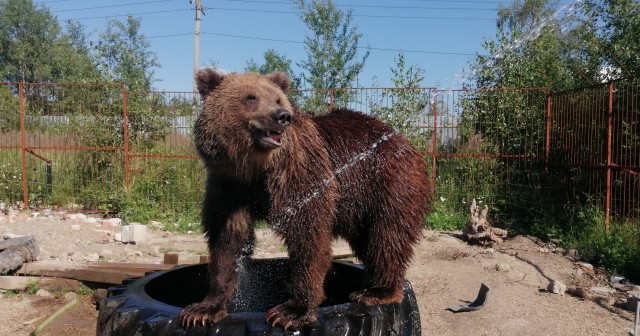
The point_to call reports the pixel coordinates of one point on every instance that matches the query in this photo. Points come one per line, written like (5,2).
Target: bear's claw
(203,314)
(288,316)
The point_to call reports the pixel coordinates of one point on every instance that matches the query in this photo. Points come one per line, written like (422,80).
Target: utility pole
(196,49)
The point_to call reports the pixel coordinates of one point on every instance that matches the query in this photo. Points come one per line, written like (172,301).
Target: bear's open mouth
(272,138)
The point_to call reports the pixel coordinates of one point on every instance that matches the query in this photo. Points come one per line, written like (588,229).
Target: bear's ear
(281,79)
(207,80)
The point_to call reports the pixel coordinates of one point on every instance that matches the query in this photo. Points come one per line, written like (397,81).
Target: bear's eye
(278,101)
(251,98)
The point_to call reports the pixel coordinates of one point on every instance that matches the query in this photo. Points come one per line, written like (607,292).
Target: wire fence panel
(495,152)
(69,138)
(103,148)
(595,138)
(164,178)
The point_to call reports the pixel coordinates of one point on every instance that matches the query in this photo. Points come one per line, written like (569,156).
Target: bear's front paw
(290,316)
(377,295)
(201,313)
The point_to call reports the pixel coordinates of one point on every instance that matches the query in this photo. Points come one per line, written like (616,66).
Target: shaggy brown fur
(343,174)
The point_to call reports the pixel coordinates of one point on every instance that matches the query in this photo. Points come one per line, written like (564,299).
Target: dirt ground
(446,272)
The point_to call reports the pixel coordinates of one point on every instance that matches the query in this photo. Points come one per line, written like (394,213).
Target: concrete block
(134,233)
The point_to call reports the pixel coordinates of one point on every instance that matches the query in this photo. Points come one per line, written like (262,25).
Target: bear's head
(242,113)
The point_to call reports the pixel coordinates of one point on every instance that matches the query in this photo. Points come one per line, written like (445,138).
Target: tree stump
(17,251)
(478,229)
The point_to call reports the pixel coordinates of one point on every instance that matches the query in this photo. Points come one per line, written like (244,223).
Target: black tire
(150,305)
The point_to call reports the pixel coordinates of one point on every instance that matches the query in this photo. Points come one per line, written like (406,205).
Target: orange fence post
(435,141)
(23,146)
(125,122)
(607,216)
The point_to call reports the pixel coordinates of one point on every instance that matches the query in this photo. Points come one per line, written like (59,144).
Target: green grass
(11,293)
(616,249)
(441,218)
(32,287)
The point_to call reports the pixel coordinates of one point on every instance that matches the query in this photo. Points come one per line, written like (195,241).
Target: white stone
(117,237)
(43,293)
(92,257)
(91,220)
(77,256)
(134,233)
(106,254)
(604,291)
(77,216)
(557,287)
(112,222)
(503,267)
(75,227)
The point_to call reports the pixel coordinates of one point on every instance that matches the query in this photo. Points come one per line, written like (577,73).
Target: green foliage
(535,48)
(274,61)
(410,105)
(84,290)
(28,36)
(442,218)
(11,293)
(169,193)
(33,47)
(9,110)
(618,249)
(124,56)
(32,287)
(10,177)
(618,35)
(332,52)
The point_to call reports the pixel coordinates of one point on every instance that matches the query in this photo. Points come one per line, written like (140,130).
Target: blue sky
(440,36)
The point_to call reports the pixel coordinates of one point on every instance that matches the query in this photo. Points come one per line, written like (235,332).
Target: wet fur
(343,174)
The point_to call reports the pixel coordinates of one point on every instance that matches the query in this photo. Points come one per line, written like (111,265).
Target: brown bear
(312,178)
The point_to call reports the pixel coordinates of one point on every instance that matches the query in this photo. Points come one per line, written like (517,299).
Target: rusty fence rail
(104,148)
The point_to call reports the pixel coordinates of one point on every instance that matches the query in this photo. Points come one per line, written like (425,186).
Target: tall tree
(124,55)
(274,61)
(537,46)
(617,26)
(27,40)
(34,48)
(73,57)
(332,49)
(406,108)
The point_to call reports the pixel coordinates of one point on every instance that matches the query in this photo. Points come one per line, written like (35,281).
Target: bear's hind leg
(385,250)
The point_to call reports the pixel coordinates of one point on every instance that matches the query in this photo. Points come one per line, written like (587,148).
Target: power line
(369,48)
(110,6)
(131,14)
(372,6)
(361,15)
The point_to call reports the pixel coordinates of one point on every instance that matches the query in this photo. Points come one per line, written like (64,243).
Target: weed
(11,293)
(32,287)
(84,290)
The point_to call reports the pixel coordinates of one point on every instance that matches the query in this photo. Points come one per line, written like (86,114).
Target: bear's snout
(283,117)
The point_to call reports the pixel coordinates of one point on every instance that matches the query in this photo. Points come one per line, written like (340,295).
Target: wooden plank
(114,273)
(50,284)
(80,271)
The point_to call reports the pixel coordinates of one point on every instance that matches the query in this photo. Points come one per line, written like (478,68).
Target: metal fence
(595,137)
(67,144)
